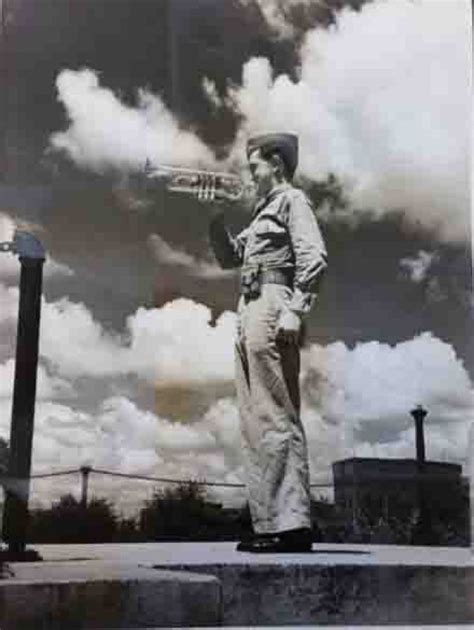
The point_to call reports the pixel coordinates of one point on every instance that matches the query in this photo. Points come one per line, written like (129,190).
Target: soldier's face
(262,173)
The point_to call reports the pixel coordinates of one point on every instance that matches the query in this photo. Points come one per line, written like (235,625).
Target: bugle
(204,185)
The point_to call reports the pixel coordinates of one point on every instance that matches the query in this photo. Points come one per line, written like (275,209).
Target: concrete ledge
(343,585)
(96,594)
(344,595)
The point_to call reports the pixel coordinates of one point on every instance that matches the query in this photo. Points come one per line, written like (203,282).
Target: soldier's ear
(278,166)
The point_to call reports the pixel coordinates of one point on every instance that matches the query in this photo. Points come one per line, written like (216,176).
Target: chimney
(419,415)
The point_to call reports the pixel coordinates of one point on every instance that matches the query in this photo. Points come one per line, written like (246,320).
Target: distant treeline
(178,513)
(182,513)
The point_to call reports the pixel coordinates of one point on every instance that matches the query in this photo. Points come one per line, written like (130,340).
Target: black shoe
(246,544)
(295,541)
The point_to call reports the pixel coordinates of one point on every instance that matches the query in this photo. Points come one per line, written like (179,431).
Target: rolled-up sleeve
(228,250)
(309,252)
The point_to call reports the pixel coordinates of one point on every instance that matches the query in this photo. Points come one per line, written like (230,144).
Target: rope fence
(122,490)
(112,473)
(357,479)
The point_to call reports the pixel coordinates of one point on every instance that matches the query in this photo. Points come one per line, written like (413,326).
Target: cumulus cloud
(165,254)
(273,12)
(351,397)
(355,401)
(9,263)
(418,266)
(279,14)
(47,386)
(175,344)
(54,268)
(104,133)
(388,114)
(371,384)
(123,438)
(9,266)
(7,228)
(9,297)
(210,91)
(443,276)
(369,390)
(441,445)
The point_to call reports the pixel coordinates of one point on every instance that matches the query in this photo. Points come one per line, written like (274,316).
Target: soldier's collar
(276,190)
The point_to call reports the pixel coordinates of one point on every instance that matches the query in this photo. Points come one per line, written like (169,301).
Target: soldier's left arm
(309,251)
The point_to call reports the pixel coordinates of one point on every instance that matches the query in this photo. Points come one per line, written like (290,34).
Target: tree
(182,513)
(68,521)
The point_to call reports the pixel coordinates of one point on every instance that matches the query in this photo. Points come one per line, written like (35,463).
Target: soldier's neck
(275,190)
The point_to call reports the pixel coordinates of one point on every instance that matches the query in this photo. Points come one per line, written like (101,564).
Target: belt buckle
(276,276)
(251,283)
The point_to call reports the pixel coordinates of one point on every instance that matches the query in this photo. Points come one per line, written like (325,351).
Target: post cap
(27,245)
(419,412)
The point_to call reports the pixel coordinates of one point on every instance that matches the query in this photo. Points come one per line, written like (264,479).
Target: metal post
(32,256)
(85,471)
(422,534)
(470,463)
(419,414)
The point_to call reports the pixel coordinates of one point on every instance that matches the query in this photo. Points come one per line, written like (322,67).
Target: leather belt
(275,276)
(252,279)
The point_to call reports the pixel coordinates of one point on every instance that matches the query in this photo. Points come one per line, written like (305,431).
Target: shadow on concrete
(342,551)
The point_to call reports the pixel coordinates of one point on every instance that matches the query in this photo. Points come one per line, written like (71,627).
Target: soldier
(282,258)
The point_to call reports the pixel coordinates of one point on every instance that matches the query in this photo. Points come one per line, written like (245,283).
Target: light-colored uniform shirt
(283,234)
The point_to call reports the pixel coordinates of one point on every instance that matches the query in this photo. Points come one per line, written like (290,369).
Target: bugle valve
(204,185)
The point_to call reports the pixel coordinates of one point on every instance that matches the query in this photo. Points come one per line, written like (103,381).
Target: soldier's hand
(289,327)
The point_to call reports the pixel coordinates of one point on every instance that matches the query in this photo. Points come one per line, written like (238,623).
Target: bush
(68,521)
(182,513)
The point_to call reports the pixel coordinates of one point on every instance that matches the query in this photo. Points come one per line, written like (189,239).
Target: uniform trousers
(273,439)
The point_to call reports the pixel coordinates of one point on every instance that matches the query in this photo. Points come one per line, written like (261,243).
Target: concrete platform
(201,554)
(346,585)
(97,594)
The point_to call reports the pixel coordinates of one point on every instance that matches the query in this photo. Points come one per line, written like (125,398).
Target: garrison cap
(286,144)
